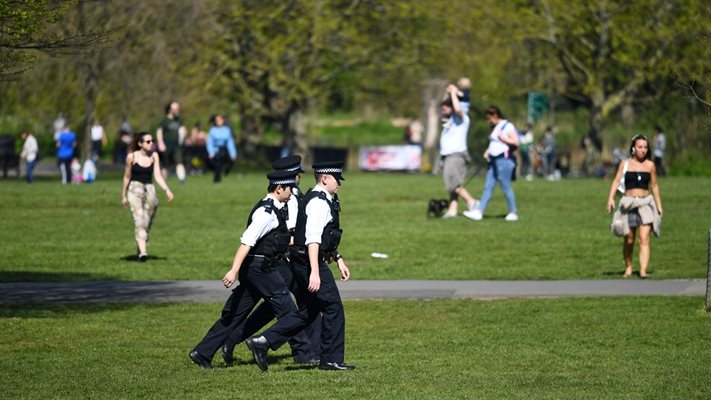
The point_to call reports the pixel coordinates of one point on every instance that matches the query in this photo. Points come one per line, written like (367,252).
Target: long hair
(636,138)
(137,137)
(495,110)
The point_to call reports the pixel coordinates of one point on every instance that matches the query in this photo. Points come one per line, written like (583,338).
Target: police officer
(263,244)
(305,346)
(316,242)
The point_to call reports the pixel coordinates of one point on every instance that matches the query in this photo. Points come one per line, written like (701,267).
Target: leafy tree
(611,53)
(23,26)
(276,61)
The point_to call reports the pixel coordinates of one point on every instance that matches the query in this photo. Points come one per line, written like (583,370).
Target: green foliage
(268,64)
(587,348)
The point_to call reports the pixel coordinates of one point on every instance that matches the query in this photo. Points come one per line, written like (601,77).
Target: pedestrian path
(213,291)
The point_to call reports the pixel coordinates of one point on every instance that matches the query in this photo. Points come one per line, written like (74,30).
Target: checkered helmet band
(328,170)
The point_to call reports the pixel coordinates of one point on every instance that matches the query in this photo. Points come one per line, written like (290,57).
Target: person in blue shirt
(220,146)
(66,143)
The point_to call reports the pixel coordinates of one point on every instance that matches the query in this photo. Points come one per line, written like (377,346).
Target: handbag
(621,186)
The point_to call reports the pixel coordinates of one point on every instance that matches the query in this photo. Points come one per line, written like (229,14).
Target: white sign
(391,158)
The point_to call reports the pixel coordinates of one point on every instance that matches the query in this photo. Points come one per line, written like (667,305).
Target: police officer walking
(316,241)
(263,244)
(305,346)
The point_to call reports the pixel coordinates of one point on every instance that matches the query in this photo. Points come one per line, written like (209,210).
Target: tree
(278,61)
(23,26)
(611,53)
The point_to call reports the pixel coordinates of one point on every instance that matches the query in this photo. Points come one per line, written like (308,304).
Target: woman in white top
(501,164)
(30,149)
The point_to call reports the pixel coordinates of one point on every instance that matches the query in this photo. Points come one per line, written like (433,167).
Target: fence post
(708,276)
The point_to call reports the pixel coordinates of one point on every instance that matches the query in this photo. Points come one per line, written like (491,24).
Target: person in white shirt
(454,152)
(263,244)
(30,150)
(98,140)
(306,345)
(316,241)
(660,144)
(501,164)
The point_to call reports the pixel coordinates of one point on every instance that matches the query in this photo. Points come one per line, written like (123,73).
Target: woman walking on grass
(639,211)
(138,193)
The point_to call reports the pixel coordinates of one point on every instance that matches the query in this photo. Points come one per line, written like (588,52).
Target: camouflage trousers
(143,203)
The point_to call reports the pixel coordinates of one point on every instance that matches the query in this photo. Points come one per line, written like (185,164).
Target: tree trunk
(252,135)
(296,134)
(89,86)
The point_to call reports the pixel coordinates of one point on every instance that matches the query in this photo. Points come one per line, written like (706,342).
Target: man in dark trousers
(263,244)
(316,242)
(305,345)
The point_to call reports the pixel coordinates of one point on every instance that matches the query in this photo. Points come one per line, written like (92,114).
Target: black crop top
(144,174)
(637,180)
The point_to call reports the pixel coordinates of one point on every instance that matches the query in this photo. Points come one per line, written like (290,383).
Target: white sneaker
(473,214)
(448,215)
(511,217)
(474,205)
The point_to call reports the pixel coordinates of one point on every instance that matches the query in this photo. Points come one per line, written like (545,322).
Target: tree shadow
(34,276)
(63,310)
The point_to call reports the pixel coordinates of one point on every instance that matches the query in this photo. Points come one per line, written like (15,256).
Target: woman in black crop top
(640,178)
(138,193)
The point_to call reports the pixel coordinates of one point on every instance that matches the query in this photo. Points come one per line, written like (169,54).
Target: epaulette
(268,205)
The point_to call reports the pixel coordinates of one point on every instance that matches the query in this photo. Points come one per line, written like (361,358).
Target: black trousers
(306,344)
(325,304)
(255,283)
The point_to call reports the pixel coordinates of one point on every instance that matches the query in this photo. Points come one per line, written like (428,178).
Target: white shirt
(293,207)
(97,132)
(262,223)
(318,215)
(454,135)
(660,143)
(30,148)
(496,146)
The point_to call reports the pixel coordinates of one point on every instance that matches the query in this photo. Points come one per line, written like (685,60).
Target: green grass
(604,348)
(81,232)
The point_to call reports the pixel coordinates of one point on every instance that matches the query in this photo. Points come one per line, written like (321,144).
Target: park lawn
(575,348)
(81,232)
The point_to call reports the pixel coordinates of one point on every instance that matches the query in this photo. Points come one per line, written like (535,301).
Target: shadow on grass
(94,292)
(59,310)
(33,276)
(134,258)
(620,274)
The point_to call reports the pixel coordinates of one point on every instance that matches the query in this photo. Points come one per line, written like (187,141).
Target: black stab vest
(331,236)
(276,241)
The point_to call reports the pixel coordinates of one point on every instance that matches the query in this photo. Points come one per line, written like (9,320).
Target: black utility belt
(267,261)
(303,254)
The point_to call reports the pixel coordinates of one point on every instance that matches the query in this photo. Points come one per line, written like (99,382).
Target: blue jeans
(500,170)
(30,169)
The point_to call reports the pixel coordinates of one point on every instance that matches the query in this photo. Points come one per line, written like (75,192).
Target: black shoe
(142,257)
(335,366)
(259,346)
(227,353)
(199,360)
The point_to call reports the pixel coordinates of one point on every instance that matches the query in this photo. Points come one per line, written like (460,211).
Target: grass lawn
(583,348)
(81,232)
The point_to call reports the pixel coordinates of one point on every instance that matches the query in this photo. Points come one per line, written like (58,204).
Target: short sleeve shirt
(171,130)
(262,223)
(454,135)
(318,215)
(496,146)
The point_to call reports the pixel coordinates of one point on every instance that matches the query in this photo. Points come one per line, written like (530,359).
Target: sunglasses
(147,141)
